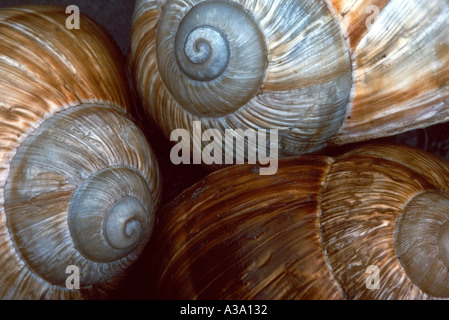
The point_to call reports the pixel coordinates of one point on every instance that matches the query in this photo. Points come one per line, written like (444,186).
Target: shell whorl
(209,61)
(110,205)
(422,241)
(79,182)
(277,65)
(65,183)
(367,208)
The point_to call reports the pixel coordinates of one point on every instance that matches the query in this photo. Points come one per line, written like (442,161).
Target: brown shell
(337,72)
(64,128)
(401,66)
(311,231)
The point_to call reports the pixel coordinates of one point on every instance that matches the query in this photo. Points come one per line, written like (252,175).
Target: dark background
(115,16)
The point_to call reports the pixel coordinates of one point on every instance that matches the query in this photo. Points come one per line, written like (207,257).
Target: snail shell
(311,231)
(79,184)
(320,72)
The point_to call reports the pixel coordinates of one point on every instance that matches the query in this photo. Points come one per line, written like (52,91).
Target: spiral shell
(315,230)
(79,183)
(320,72)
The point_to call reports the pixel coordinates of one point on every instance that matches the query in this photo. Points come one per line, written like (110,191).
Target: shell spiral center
(124,219)
(216,49)
(205,54)
(125,222)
